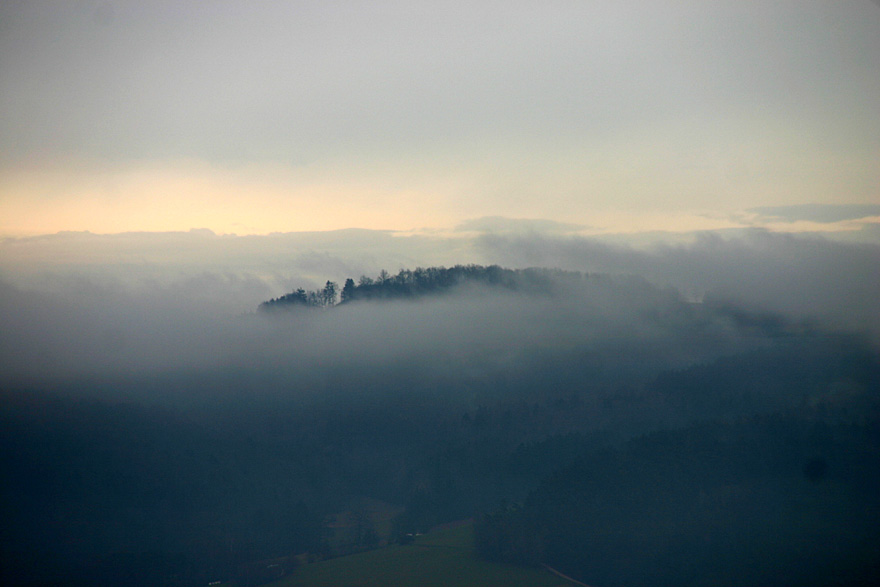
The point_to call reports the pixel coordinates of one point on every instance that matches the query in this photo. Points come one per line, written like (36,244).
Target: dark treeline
(609,459)
(766,471)
(424,281)
(773,499)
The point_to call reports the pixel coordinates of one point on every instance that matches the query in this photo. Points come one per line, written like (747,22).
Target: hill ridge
(422,282)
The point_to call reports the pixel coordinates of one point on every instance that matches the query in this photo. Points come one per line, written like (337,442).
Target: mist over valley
(155,433)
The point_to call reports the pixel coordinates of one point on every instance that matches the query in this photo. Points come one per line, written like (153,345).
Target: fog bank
(80,304)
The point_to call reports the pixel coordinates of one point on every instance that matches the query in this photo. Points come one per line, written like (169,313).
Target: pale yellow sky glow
(672,178)
(261,201)
(168,116)
(251,202)
(241,202)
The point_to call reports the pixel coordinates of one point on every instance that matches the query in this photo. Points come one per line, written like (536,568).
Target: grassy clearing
(444,558)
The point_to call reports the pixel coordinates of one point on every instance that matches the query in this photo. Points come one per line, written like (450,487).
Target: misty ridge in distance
(613,330)
(410,284)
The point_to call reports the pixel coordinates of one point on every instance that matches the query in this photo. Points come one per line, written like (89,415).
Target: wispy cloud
(823,213)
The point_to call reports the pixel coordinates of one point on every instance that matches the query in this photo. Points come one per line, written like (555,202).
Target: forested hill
(424,282)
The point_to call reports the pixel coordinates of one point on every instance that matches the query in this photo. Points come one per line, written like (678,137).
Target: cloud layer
(300,116)
(78,304)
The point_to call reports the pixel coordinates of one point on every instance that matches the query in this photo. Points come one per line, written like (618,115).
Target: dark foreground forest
(599,425)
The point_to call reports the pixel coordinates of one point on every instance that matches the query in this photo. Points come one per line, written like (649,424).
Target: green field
(442,558)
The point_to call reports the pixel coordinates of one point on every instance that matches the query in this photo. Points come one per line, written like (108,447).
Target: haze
(655,358)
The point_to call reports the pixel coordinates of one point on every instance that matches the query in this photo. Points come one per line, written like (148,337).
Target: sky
(257,118)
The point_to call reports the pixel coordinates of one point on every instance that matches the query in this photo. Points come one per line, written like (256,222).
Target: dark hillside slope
(625,421)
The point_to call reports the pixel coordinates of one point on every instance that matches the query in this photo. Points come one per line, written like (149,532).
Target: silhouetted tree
(348,290)
(328,294)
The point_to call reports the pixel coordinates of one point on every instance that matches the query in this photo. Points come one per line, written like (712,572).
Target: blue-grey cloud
(825,213)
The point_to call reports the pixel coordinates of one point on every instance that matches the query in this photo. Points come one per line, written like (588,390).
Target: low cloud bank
(803,277)
(103,316)
(621,325)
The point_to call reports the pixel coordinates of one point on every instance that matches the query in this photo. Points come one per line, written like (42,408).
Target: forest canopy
(420,282)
